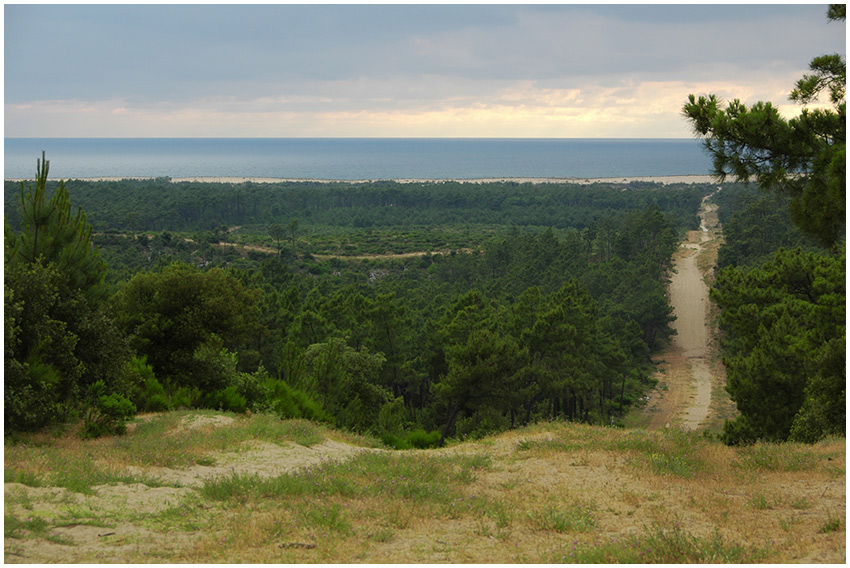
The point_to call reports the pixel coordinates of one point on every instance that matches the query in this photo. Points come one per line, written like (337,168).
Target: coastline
(684,179)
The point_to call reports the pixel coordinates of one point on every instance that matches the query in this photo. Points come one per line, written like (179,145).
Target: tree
(803,157)
(783,340)
(50,232)
(482,372)
(293,231)
(278,233)
(344,379)
(60,340)
(187,322)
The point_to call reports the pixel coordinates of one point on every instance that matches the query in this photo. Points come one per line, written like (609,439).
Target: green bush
(184,397)
(226,399)
(419,439)
(289,402)
(108,415)
(30,394)
(253,387)
(152,396)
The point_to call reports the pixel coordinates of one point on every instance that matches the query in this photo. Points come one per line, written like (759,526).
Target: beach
(536,180)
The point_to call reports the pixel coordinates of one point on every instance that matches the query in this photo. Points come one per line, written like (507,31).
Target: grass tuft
(659,546)
(579,517)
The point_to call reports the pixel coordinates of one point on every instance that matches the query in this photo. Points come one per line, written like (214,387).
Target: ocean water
(355,158)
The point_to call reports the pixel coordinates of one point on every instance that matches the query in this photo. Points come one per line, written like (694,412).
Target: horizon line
(345,138)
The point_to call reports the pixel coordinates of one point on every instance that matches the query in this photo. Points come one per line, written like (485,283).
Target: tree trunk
(449,424)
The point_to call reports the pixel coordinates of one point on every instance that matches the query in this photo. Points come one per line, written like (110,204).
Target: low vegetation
(208,487)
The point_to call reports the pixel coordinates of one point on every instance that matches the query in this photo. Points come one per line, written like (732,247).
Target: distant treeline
(158,204)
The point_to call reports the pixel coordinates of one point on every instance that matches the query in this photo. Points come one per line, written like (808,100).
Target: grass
(777,457)
(576,517)
(664,546)
(162,441)
(14,527)
(549,492)
(392,475)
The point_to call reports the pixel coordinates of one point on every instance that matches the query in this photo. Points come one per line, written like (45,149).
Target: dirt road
(690,391)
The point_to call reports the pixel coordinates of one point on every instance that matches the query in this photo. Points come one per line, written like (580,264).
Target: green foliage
(290,402)
(51,233)
(59,337)
(153,397)
(361,342)
(226,399)
(368,208)
(755,226)
(783,340)
(343,379)
(108,414)
(186,322)
(419,439)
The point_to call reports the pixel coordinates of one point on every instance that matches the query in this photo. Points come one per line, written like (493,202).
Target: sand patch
(263,459)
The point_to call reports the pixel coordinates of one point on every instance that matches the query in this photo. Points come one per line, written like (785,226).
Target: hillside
(212,487)
(207,486)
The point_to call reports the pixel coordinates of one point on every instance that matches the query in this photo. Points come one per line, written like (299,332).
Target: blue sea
(355,158)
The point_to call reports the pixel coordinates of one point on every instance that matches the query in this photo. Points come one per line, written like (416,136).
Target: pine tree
(51,233)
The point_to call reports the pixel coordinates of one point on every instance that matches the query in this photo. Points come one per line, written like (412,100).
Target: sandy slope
(136,523)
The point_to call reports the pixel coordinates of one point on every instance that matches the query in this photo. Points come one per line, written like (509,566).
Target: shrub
(254,388)
(419,439)
(289,402)
(108,415)
(226,399)
(153,397)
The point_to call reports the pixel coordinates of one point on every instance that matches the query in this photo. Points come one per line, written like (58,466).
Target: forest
(416,312)
(436,310)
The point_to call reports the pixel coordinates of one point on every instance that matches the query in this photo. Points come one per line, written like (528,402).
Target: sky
(312,70)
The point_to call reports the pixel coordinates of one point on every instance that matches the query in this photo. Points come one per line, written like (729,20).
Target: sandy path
(689,367)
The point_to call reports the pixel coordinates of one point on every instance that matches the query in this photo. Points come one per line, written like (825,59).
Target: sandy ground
(626,501)
(580,181)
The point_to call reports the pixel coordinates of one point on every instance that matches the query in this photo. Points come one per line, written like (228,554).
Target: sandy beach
(580,181)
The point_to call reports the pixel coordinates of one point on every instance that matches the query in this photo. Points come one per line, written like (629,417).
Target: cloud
(438,70)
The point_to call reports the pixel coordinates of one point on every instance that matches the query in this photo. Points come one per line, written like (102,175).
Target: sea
(355,158)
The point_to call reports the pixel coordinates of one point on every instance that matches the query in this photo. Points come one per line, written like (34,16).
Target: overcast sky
(558,71)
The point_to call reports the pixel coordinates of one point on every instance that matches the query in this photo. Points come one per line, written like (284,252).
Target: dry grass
(551,492)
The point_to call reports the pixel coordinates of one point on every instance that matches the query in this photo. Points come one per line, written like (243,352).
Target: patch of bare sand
(263,459)
(87,528)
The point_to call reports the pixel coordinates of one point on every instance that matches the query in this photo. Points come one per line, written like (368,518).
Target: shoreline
(685,179)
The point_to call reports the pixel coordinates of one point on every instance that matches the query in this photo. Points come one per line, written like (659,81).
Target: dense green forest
(416,312)
(782,299)
(521,301)
(160,205)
